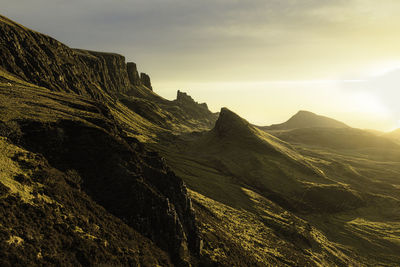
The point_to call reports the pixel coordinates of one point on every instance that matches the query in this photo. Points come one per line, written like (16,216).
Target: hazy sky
(264,59)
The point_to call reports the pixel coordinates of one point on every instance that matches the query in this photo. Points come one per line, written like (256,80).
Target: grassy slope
(246,156)
(221,167)
(267,236)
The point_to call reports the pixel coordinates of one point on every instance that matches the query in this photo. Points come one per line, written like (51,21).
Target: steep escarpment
(145,79)
(133,73)
(42,60)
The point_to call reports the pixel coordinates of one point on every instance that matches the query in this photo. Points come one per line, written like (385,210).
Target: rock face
(44,61)
(146,80)
(133,73)
(107,70)
(192,108)
(183,97)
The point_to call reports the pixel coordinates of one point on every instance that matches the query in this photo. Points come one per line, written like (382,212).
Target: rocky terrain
(99,170)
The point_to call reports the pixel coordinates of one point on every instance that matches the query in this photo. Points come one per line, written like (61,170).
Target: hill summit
(307,119)
(230,123)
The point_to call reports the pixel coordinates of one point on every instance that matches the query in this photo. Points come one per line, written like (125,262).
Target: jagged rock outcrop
(133,73)
(146,80)
(192,108)
(185,99)
(229,123)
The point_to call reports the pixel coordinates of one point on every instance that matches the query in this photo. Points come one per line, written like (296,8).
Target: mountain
(235,167)
(261,161)
(306,119)
(96,169)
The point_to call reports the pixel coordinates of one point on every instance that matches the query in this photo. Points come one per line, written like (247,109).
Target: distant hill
(338,138)
(306,119)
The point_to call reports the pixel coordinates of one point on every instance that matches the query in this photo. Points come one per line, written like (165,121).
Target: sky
(264,59)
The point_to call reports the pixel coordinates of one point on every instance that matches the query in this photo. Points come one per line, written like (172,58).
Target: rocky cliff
(133,73)
(146,80)
(44,61)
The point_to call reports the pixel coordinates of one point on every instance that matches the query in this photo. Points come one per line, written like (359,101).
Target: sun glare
(383,68)
(366,102)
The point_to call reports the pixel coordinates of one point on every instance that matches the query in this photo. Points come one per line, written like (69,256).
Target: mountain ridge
(306,119)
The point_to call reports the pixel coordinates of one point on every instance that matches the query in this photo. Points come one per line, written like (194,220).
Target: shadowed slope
(78,134)
(47,220)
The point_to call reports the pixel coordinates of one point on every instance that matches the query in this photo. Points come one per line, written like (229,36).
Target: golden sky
(264,59)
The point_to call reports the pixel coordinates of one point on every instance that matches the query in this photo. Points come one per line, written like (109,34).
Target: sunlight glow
(366,102)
